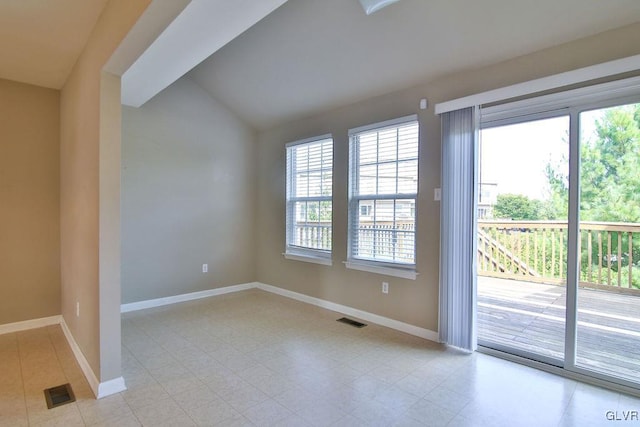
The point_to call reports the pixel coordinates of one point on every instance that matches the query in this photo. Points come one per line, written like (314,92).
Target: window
(309,205)
(365,210)
(383,194)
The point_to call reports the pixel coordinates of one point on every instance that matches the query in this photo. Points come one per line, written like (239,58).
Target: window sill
(387,271)
(308,258)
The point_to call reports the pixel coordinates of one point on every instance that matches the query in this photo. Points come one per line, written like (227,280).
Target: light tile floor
(253,358)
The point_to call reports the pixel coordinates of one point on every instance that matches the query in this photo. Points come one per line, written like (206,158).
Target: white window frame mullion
(291,184)
(293,251)
(354,259)
(577,101)
(573,235)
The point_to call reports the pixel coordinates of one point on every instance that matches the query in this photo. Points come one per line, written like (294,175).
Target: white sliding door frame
(570,103)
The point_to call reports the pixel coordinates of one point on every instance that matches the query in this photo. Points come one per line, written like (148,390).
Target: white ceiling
(203,27)
(307,56)
(310,55)
(40,40)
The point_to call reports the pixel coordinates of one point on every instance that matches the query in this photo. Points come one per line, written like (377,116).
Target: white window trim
(315,259)
(581,75)
(384,125)
(380,266)
(296,253)
(375,267)
(558,104)
(309,140)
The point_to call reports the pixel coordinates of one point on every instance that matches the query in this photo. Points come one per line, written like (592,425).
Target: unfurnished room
(319,213)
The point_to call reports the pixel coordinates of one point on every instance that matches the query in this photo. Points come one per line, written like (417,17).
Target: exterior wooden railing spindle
(630,240)
(619,259)
(609,258)
(599,257)
(589,257)
(536,251)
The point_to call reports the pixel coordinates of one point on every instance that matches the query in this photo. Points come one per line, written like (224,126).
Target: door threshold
(577,376)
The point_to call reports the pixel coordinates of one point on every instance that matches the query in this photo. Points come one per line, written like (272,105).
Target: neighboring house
(487,197)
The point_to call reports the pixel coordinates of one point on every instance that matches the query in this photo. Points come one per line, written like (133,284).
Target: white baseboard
(29,324)
(364,315)
(159,302)
(99,389)
(117,385)
(82,361)
(110,387)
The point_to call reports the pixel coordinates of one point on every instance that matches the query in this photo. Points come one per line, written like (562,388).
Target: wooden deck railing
(315,235)
(536,251)
(380,239)
(387,240)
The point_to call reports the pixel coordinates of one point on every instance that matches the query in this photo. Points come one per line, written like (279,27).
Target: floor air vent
(58,396)
(352,322)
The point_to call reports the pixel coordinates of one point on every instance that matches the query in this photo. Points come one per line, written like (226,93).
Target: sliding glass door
(608,296)
(558,230)
(522,237)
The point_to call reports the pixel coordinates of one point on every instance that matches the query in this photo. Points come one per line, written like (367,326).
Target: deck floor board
(530,317)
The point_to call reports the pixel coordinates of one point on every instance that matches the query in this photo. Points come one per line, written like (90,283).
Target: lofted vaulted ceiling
(306,56)
(312,55)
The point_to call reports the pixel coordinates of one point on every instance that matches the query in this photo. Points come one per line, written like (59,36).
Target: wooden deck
(531,317)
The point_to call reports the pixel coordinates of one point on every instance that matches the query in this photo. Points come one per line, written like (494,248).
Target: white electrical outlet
(437,194)
(385,287)
(205,268)
(77,308)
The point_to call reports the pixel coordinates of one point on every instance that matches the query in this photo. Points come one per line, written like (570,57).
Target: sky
(515,156)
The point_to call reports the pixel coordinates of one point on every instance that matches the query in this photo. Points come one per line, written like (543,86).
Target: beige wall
(80,178)
(29,202)
(409,301)
(188,178)
(413,302)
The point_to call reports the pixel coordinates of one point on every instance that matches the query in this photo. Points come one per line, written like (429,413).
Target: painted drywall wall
(188,174)
(29,202)
(81,175)
(410,301)
(413,302)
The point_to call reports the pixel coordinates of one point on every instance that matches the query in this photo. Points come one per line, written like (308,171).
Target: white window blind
(309,192)
(383,192)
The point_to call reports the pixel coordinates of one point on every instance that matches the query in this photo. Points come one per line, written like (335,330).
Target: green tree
(610,166)
(609,181)
(517,207)
(609,171)
(556,204)
(319,211)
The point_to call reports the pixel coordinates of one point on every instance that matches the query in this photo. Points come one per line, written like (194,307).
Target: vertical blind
(457,324)
(383,192)
(309,192)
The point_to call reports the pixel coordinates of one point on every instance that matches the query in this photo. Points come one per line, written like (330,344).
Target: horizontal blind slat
(309,195)
(383,193)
